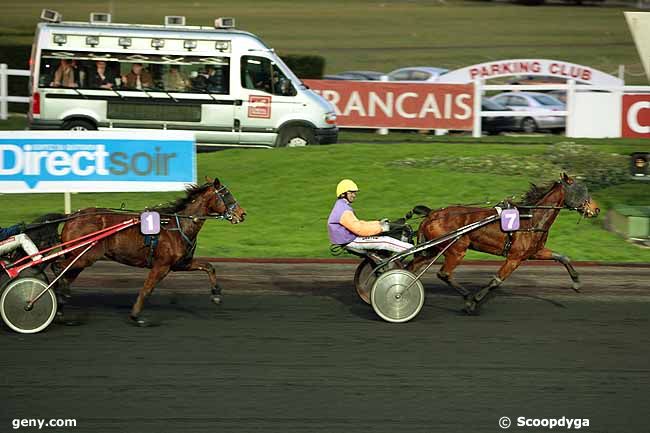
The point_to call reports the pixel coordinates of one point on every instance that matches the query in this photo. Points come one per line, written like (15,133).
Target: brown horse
(175,245)
(544,203)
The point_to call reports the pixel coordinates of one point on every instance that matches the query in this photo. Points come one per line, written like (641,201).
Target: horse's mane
(191,192)
(535,193)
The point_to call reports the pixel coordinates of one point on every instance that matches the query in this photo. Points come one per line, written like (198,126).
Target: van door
(267,98)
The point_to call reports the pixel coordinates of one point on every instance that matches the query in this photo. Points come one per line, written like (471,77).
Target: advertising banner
(531,67)
(381,104)
(636,116)
(96,161)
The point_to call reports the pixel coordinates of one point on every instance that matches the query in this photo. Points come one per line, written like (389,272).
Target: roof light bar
(51,16)
(224,23)
(174,20)
(100,18)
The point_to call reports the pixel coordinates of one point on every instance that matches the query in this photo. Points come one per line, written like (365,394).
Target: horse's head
(576,196)
(224,204)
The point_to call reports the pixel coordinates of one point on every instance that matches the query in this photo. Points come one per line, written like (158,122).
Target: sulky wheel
(392,298)
(15,298)
(364,278)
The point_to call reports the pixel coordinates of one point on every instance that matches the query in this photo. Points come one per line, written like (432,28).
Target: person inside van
(175,81)
(101,77)
(217,81)
(66,75)
(139,78)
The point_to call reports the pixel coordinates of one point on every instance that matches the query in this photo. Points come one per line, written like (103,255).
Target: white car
(536,102)
(427,74)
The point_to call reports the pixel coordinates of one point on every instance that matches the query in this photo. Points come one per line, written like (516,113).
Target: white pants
(385,243)
(21,240)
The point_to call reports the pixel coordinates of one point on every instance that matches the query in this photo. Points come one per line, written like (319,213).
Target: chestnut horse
(176,242)
(544,203)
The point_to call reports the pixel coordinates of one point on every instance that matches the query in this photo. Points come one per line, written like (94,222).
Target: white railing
(5,99)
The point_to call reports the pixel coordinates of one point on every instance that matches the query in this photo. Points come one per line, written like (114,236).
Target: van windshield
(135,72)
(260,73)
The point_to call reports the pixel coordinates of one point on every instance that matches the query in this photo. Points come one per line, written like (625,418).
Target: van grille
(151,111)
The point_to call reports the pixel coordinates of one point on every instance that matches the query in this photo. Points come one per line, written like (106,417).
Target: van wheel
(79,125)
(296,136)
(528,125)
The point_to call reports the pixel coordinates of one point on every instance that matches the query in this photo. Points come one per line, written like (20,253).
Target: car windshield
(547,100)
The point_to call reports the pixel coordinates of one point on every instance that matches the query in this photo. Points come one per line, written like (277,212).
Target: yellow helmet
(346,185)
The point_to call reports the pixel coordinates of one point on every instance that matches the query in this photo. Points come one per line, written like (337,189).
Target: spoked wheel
(15,298)
(364,278)
(397,296)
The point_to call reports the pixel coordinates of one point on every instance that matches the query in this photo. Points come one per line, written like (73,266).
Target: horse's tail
(418,210)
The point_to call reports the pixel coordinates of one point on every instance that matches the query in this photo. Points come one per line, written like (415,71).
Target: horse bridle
(229,213)
(576,197)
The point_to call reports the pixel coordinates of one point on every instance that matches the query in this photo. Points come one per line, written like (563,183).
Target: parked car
(417,73)
(536,102)
(355,75)
(558,94)
(497,124)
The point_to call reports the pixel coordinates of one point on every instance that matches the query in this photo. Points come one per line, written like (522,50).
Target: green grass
(385,35)
(288,194)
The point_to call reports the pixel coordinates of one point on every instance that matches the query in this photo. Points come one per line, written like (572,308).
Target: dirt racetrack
(319,360)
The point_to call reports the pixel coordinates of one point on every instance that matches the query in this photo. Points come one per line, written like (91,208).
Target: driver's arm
(359,227)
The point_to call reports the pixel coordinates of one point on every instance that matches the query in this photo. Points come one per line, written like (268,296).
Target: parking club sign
(94,161)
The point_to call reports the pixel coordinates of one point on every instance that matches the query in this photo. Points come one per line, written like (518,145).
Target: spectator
(66,75)
(175,81)
(217,81)
(138,78)
(101,78)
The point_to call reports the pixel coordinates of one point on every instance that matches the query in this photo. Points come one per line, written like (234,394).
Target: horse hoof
(140,322)
(576,286)
(60,319)
(217,299)
(471,307)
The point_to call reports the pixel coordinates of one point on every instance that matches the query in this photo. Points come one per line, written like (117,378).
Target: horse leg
(472,305)
(453,256)
(197,265)
(547,254)
(62,287)
(156,274)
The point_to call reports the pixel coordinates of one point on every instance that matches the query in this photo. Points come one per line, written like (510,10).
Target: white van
(225,85)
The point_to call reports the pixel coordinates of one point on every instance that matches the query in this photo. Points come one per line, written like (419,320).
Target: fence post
(478,94)
(67,202)
(570,108)
(621,73)
(4,92)
(383,131)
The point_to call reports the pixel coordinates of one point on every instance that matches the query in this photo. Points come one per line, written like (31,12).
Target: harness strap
(151,241)
(180,230)
(507,245)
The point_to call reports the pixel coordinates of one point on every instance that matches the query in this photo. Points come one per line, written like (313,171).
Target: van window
(260,73)
(135,72)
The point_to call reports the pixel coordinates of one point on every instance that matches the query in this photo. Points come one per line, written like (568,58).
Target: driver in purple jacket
(345,228)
